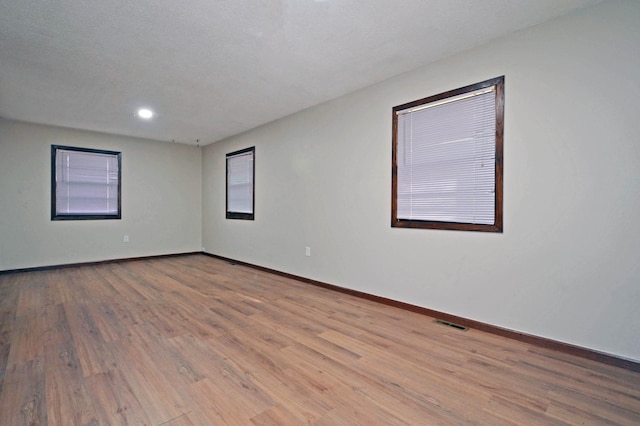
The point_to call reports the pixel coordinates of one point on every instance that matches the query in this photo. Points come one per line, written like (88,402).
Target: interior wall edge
(92,263)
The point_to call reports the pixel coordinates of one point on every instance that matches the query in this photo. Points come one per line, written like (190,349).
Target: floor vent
(450,324)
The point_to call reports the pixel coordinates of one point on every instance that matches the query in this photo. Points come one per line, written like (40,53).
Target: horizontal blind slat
(86,182)
(446,162)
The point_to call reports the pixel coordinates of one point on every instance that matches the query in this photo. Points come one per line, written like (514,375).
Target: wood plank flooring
(193,340)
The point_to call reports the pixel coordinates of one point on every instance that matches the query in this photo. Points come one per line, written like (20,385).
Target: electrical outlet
(307,251)
(125,239)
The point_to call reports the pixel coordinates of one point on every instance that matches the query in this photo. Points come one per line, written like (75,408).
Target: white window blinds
(240,183)
(446,152)
(87,183)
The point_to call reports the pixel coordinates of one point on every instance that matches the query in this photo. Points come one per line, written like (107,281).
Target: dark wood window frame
(497,226)
(235,214)
(55,215)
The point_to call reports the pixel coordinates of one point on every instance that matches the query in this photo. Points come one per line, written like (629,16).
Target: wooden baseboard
(511,334)
(98,262)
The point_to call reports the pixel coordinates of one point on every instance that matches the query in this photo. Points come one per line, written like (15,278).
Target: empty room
(328,212)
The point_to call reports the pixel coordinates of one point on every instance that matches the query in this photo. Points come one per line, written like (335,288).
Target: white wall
(161,200)
(567,266)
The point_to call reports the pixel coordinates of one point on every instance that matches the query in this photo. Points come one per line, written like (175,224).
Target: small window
(85,183)
(447,160)
(240,184)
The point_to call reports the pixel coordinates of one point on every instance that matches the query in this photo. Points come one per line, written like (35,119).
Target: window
(240,184)
(447,160)
(85,183)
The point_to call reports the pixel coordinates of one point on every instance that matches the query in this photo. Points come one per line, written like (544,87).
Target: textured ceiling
(214,68)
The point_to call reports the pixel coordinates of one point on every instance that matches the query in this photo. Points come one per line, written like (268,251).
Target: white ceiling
(214,68)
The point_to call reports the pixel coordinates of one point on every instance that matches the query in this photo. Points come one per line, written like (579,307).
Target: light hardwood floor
(193,340)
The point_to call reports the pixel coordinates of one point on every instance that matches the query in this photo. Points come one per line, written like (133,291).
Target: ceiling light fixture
(145,113)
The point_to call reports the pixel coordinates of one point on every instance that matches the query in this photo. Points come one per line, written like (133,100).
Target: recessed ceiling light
(145,113)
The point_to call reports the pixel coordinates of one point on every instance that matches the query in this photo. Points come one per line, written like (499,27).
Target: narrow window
(447,160)
(85,183)
(240,184)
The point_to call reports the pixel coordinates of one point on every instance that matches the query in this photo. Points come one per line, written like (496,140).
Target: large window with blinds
(240,184)
(85,183)
(447,160)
